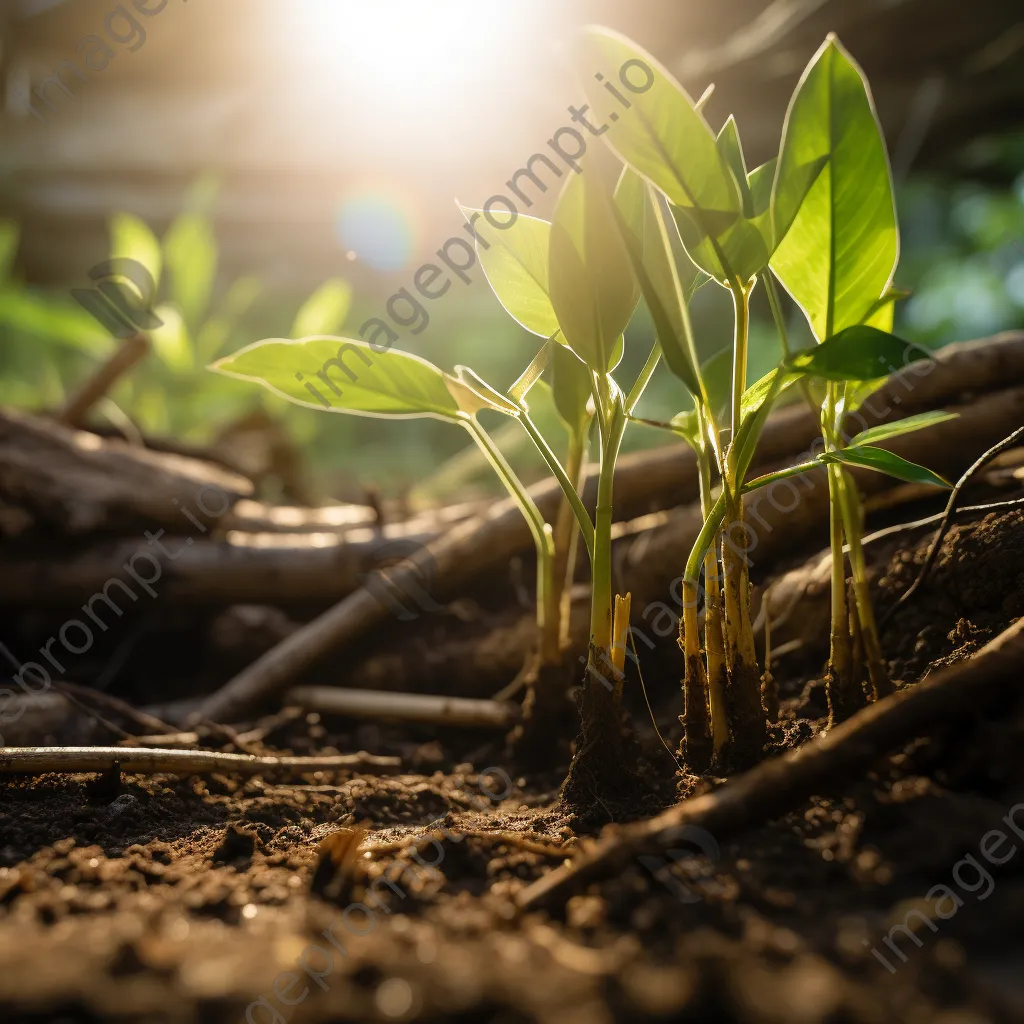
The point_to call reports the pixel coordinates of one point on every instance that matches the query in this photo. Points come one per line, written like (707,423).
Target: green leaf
(667,279)
(662,136)
(743,250)
(132,239)
(486,396)
(515,263)
(529,377)
(324,311)
(788,196)
(856,353)
(9,238)
(570,386)
(905,426)
(755,405)
(593,290)
(171,341)
(738,253)
(190,252)
(882,461)
(687,426)
(731,149)
(759,184)
(52,320)
(346,375)
(780,474)
(842,244)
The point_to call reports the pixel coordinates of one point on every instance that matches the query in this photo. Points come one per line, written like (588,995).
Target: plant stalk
(547,606)
(566,537)
(745,712)
(714,638)
(697,741)
(568,481)
(739,633)
(852,526)
(841,685)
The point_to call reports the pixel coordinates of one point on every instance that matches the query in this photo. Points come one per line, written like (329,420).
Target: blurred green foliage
(962,259)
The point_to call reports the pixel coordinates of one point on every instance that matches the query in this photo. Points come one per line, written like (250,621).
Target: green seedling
(571,281)
(837,261)
(348,375)
(820,217)
(685,212)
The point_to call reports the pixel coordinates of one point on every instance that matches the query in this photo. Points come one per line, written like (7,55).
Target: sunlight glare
(401,53)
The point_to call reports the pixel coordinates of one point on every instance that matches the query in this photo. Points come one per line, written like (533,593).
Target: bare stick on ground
(778,786)
(405,707)
(40,760)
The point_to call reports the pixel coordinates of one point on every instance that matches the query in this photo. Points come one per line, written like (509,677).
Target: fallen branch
(268,568)
(39,760)
(779,786)
(404,707)
(58,481)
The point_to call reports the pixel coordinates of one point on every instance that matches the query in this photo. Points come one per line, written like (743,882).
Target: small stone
(125,802)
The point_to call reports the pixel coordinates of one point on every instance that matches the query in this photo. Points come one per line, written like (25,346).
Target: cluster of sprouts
(681,212)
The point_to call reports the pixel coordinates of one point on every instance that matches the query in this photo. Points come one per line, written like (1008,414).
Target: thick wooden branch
(64,482)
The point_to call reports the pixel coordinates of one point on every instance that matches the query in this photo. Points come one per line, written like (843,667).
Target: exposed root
(748,731)
(697,748)
(603,782)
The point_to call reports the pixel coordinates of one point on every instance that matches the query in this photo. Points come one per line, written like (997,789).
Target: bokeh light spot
(377,229)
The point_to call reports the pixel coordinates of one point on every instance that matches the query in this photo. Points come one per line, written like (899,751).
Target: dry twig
(404,707)
(40,760)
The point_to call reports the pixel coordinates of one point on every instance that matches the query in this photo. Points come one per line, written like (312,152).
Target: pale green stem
(840,648)
(566,536)
(569,488)
(636,392)
(739,634)
(851,510)
(714,638)
(601,602)
(741,304)
(541,531)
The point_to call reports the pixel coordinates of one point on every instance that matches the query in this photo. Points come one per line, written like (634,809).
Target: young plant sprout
(837,262)
(571,281)
(393,384)
(685,212)
(821,216)
(515,262)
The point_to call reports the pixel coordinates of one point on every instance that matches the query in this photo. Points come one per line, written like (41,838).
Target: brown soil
(190,900)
